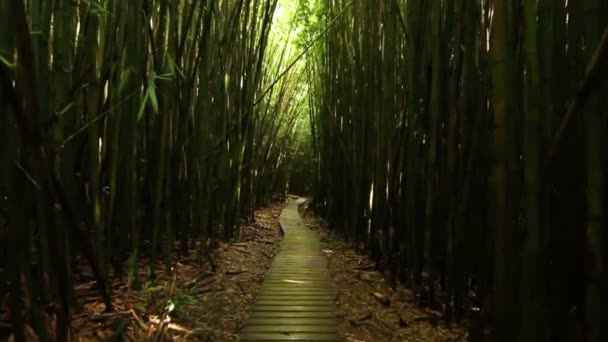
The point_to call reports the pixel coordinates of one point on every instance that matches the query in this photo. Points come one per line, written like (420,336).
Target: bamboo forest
(311,170)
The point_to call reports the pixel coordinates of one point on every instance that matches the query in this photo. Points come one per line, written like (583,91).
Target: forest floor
(206,305)
(369,309)
(198,303)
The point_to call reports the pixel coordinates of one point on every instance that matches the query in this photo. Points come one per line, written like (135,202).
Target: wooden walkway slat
(296,297)
(287,291)
(294,308)
(270,314)
(292,328)
(292,321)
(304,302)
(308,336)
(296,301)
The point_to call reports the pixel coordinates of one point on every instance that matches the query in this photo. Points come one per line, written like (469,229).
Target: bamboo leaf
(174,66)
(152,97)
(164,77)
(6,62)
(66,108)
(142,105)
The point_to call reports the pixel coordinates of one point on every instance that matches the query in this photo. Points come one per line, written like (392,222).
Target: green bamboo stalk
(594,233)
(532,294)
(498,181)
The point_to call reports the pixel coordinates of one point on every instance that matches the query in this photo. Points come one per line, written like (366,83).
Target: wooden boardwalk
(296,302)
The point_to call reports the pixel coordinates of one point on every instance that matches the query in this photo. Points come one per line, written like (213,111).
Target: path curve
(296,301)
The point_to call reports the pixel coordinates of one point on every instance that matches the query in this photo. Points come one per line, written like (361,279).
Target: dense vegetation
(462,143)
(127,126)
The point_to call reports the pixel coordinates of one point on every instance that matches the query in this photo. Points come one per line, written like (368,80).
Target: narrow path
(296,302)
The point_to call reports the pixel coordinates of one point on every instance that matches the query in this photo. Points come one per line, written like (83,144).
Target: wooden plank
(319,278)
(306,272)
(287,283)
(290,302)
(289,308)
(314,321)
(297,278)
(290,337)
(288,266)
(291,328)
(282,263)
(304,265)
(300,276)
(295,287)
(297,270)
(301,259)
(276,288)
(302,268)
(302,290)
(275,314)
(284,296)
(311,257)
(305,260)
(300,271)
(294,284)
(295,299)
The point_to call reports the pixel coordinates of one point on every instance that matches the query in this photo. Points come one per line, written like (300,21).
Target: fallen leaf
(235,272)
(384,300)
(403,322)
(365,317)
(366,267)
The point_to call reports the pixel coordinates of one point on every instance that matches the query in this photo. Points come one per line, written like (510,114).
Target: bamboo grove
(462,143)
(130,129)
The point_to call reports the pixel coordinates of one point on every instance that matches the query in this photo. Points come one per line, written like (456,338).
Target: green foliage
(116,182)
(150,95)
(153,289)
(179,301)
(7,63)
(423,126)
(431,122)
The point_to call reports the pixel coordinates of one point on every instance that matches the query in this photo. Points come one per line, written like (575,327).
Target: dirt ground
(368,308)
(197,303)
(193,304)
